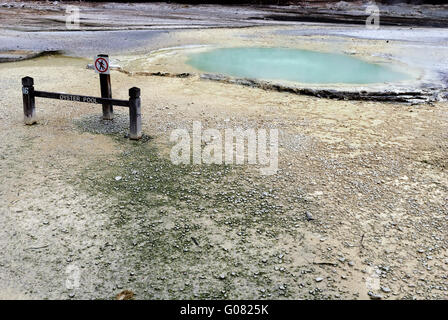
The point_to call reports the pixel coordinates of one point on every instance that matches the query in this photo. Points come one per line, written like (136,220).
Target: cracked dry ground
(372,175)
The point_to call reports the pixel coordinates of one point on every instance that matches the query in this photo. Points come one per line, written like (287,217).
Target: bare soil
(372,175)
(76,194)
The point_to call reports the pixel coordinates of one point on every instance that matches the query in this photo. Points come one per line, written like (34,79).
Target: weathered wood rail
(134,104)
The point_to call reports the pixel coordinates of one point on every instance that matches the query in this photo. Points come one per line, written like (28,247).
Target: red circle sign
(101,65)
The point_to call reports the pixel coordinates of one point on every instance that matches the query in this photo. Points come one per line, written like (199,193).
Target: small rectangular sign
(102,65)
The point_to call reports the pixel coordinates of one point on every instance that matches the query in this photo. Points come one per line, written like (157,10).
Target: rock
(385,289)
(118,178)
(319,279)
(309,216)
(125,295)
(375,296)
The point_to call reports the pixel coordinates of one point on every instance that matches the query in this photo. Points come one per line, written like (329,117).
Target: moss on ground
(191,231)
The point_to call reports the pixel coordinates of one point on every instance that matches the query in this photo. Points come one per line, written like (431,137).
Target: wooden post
(29,106)
(106,92)
(135,117)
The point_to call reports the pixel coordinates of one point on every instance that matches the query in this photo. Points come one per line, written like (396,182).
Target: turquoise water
(293,65)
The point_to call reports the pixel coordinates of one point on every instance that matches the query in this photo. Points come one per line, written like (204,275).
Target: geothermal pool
(293,65)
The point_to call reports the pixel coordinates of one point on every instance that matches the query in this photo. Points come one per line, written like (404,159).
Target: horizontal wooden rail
(78,98)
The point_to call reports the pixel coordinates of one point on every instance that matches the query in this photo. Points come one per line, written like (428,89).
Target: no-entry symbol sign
(102,65)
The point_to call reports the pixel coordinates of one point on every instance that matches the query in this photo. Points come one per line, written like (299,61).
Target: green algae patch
(190,231)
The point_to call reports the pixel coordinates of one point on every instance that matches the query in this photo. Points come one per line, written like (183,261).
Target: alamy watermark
(209,146)
(72,18)
(373,20)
